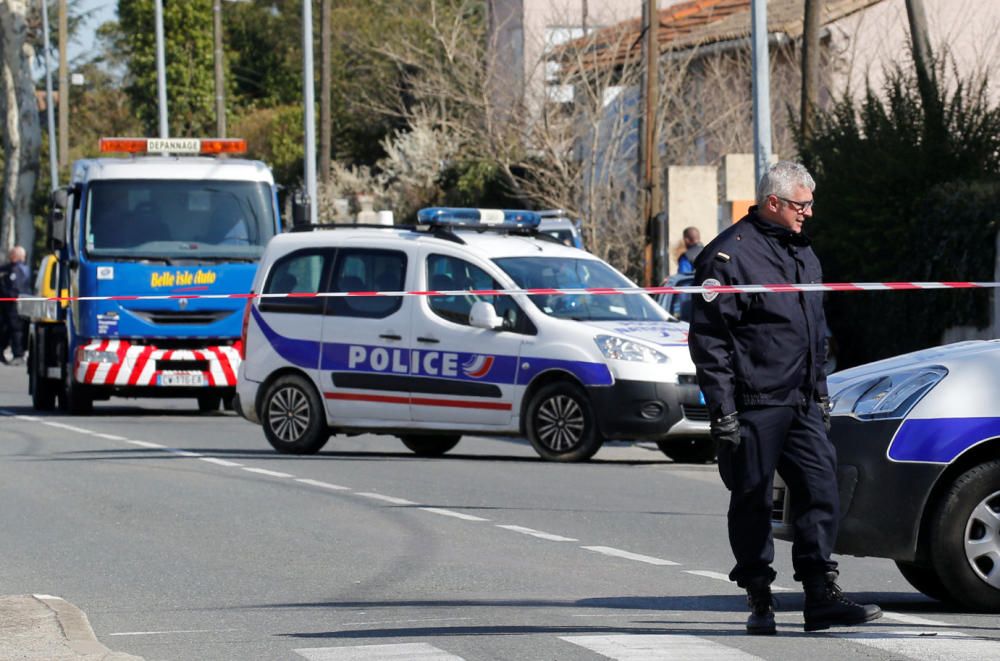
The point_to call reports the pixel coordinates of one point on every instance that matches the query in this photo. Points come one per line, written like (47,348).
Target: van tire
(430,445)
(293,417)
(967,512)
(924,579)
(560,423)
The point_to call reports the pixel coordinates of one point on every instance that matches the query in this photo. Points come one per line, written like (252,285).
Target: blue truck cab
(151,247)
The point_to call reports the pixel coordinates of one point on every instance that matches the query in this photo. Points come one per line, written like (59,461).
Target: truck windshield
(178,219)
(569,273)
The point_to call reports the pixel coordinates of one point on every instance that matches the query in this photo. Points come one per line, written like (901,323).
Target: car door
(365,356)
(466,375)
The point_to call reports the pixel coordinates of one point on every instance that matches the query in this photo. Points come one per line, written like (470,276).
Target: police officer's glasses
(798,207)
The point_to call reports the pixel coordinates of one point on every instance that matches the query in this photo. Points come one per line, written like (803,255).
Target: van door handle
(428,340)
(390,336)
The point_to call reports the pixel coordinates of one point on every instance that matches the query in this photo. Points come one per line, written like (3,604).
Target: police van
(458,354)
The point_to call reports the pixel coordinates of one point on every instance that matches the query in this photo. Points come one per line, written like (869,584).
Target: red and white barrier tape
(717,289)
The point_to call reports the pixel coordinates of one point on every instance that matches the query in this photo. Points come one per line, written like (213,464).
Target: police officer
(14,278)
(759,359)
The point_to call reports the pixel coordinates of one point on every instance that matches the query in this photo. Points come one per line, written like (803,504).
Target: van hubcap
(982,540)
(288,414)
(560,423)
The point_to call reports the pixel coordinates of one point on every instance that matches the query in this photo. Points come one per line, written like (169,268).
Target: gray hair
(782,179)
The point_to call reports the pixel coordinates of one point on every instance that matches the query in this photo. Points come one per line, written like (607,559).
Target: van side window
(367,270)
(299,272)
(446,273)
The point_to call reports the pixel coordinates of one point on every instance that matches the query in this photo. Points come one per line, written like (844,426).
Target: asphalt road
(184,537)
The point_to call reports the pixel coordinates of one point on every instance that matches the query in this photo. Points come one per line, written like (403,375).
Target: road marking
(538,533)
(220,462)
(628,555)
(60,425)
(322,485)
(110,437)
(161,633)
(913,619)
(398,651)
(184,453)
(264,471)
(384,498)
(928,645)
(146,444)
(719,576)
(659,647)
(29,418)
(457,515)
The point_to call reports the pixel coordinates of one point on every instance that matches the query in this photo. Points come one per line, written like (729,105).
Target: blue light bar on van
(492,218)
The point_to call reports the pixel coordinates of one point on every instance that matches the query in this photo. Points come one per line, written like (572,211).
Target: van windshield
(570,273)
(182,219)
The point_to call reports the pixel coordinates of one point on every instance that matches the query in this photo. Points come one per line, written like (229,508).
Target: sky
(104,10)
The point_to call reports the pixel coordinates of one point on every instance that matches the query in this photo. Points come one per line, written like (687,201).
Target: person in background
(14,281)
(692,248)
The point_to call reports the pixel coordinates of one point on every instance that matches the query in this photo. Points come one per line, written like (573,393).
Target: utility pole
(812,22)
(53,156)
(310,114)
(161,69)
(325,74)
(649,147)
(220,94)
(63,84)
(922,55)
(761,89)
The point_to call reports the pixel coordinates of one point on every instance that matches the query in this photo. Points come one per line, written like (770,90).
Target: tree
(22,133)
(190,71)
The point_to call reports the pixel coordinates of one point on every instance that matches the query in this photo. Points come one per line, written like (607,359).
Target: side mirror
(57,219)
(484,315)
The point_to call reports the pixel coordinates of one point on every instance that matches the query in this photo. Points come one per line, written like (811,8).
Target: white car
(918,448)
(566,370)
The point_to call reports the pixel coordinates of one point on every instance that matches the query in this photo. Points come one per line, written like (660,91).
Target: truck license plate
(181,380)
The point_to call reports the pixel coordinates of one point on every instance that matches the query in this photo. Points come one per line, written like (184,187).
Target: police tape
(583,291)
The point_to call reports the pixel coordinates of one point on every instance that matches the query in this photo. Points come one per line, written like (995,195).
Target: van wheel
(430,445)
(43,390)
(924,579)
(209,403)
(560,423)
(965,538)
(689,450)
(292,416)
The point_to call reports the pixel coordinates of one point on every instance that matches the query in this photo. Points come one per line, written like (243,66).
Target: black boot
(826,606)
(761,602)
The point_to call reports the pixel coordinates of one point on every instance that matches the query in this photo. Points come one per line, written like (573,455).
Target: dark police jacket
(758,349)
(14,280)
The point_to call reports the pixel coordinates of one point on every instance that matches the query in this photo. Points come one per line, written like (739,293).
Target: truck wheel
(965,538)
(560,423)
(689,450)
(43,390)
(924,579)
(293,417)
(430,445)
(209,403)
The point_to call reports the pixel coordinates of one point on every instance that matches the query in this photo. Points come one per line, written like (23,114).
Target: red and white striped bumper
(122,363)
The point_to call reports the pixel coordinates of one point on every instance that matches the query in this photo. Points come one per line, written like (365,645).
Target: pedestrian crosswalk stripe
(395,652)
(659,647)
(928,645)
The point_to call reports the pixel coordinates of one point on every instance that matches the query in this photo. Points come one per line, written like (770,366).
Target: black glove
(825,408)
(726,430)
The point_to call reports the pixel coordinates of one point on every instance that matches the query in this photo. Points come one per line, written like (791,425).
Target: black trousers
(793,441)
(11,329)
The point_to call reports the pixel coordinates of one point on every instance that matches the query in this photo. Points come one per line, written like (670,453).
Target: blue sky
(104,10)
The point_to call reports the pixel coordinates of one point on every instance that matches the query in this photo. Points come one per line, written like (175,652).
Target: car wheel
(209,403)
(965,538)
(292,416)
(924,579)
(431,445)
(43,390)
(689,450)
(560,423)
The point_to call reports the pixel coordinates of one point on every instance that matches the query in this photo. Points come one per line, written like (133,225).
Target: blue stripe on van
(940,440)
(452,365)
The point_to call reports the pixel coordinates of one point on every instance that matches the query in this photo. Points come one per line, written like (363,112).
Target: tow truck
(138,243)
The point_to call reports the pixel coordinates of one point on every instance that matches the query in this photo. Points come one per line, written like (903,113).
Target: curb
(77,632)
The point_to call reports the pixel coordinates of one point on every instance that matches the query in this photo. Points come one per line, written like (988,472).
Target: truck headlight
(618,348)
(886,397)
(95,356)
